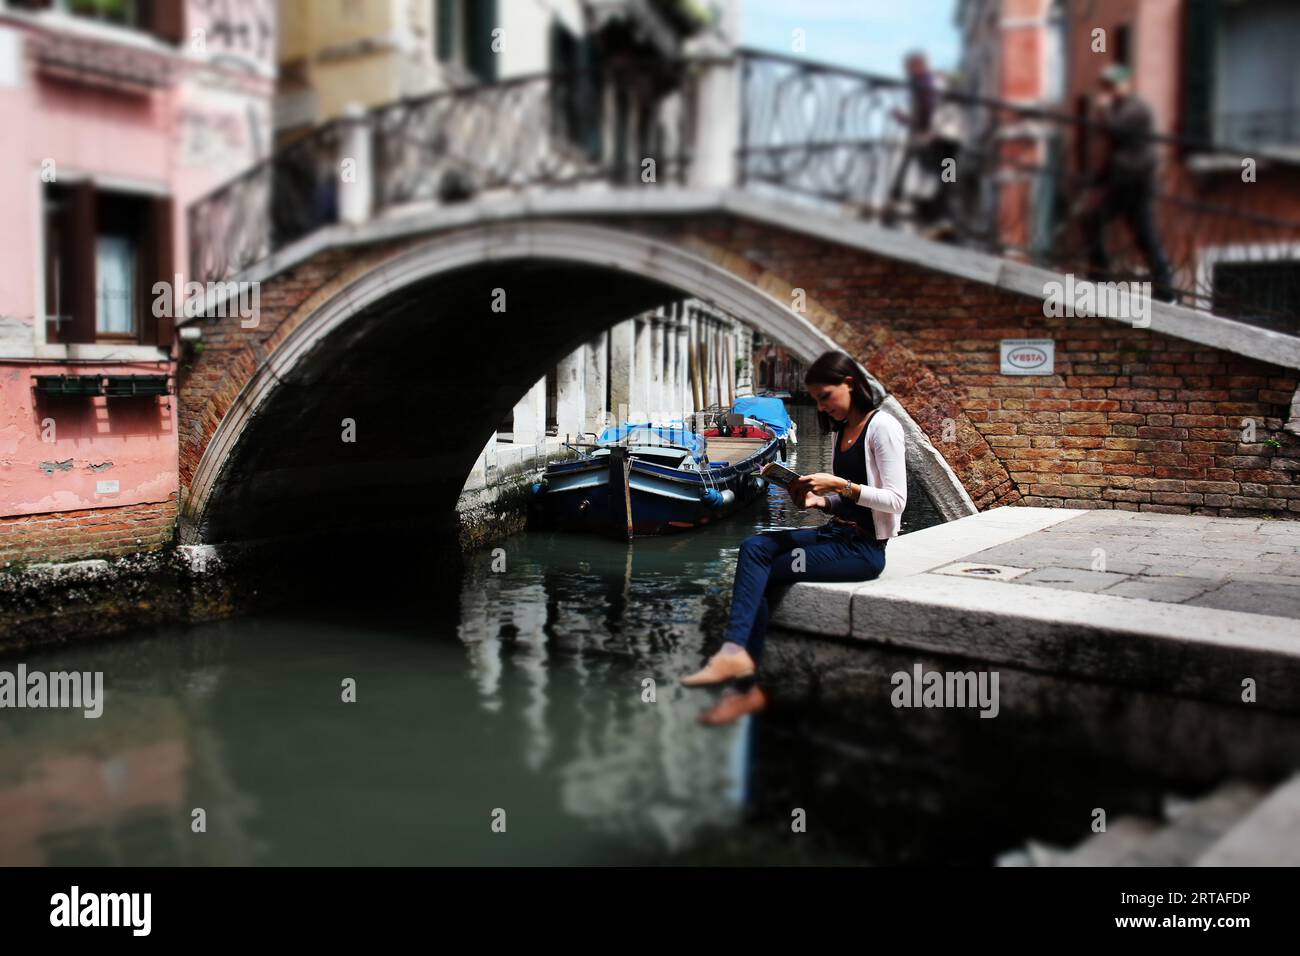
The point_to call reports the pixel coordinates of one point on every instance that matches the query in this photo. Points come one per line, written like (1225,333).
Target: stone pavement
(1191,605)
(1234,564)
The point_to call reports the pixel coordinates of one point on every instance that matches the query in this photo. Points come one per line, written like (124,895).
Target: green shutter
(1200,35)
(591,99)
(445,29)
(480,21)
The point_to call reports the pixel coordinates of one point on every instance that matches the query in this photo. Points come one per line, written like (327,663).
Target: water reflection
(597,619)
(115,790)
(527,691)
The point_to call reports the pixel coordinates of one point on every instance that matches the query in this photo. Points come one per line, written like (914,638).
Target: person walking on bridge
(933,123)
(865,496)
(1125,184)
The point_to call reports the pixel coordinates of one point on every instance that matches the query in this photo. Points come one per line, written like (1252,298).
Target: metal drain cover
(985,572)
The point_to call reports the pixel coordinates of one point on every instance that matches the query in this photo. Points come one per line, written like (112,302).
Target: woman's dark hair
(832,368)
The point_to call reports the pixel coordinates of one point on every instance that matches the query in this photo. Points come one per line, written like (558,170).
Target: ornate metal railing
(545,130)
(617,125)
(1019,183)
(284,197)
(830,137)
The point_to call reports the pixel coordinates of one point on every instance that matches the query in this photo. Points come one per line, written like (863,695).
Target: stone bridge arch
(347,327)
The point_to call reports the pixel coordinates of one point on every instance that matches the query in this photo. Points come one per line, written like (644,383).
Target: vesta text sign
(1028,356)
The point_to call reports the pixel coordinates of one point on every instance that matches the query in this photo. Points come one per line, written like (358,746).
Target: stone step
(1194,825)
(1241,822)
(1120,838)
(1269,835)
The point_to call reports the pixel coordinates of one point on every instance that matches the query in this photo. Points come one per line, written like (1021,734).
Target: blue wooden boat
(649,479)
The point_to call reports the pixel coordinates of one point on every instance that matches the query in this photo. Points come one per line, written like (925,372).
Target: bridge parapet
(835,140)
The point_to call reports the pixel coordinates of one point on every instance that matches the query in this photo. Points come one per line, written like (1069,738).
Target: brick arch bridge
(399,335)
(389,323)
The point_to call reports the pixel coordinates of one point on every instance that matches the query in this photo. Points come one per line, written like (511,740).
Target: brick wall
(209,385)
(94,533)
(1132,419)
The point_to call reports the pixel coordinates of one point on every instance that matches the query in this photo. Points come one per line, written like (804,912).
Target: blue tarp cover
(769,411)
(645,434)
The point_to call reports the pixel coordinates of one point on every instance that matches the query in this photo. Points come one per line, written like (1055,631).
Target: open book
(778,474)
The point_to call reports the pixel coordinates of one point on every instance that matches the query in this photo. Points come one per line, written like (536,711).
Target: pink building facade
(117,115)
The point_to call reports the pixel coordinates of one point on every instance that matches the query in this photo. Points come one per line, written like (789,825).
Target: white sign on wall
(106,487)
(1028,356)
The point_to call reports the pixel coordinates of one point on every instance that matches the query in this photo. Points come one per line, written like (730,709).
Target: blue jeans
(831,552)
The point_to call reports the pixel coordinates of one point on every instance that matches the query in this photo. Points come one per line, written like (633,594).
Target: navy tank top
(852,464)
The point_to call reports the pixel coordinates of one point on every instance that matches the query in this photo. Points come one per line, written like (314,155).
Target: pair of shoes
(722,668)
(734,704)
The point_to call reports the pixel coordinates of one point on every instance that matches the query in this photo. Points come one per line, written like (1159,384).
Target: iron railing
(614,125)
(543,130)
(833,138)
(280,199)
(1020,183)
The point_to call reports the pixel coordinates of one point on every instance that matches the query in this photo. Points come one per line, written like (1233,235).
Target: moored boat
(654,478)
(758,410)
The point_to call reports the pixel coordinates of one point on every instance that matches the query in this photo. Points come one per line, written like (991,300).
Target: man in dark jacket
(1125,184)
(925,146)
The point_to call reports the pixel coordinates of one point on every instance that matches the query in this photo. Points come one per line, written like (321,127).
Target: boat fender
(711,497)
(758,482)
(537,488)
(728,496)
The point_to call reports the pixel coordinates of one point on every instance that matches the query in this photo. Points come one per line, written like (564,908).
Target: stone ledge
(824,608)
(1168,647)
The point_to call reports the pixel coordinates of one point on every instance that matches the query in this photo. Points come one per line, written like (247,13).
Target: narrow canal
(519,697)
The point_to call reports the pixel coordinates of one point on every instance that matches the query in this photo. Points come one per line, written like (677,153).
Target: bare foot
(722,668)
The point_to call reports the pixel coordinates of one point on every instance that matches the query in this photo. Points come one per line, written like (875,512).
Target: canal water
(529,713)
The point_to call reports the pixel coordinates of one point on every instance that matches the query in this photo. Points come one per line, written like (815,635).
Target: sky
(868,35)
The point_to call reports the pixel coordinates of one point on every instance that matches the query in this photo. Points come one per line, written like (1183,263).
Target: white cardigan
(886,492)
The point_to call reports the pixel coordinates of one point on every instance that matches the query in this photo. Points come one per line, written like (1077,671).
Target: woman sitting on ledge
(865,498)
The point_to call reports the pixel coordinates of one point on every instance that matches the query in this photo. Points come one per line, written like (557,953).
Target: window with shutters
(104,251)
(1241,78)
(1257,93)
